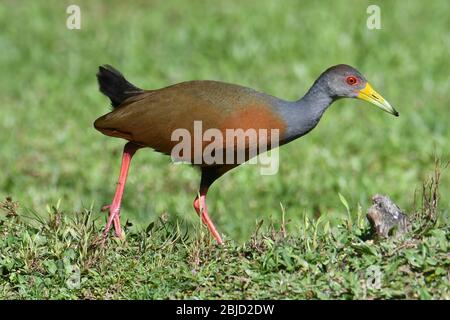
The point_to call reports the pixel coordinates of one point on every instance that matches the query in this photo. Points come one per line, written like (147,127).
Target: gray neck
(303,115)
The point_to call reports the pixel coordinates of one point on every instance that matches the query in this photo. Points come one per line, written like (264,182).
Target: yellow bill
(370,95)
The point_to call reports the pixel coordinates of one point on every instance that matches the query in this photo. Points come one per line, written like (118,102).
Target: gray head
(344,81)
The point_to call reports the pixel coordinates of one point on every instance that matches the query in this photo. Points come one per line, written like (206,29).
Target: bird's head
(344,81)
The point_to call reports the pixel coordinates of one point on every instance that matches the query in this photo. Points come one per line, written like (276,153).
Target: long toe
(117,227)
(112,218)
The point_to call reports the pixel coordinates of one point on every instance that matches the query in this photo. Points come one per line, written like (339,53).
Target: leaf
(344,201)
(51,266)
(326,228)
(150,227)
(424,294)
(365,248)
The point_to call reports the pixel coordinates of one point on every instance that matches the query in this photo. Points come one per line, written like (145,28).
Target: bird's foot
(114,218)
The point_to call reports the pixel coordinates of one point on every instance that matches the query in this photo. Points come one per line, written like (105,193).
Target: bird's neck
(315,101)
(303,115)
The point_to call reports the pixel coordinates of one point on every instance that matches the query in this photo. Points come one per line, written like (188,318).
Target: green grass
(50,152)
(58,256)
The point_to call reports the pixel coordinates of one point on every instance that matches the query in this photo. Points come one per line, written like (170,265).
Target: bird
(148,119)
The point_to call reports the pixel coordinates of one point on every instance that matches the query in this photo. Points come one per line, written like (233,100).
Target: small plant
(10,207)
(427,216)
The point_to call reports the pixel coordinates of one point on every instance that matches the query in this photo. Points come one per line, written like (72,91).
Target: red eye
(351,80)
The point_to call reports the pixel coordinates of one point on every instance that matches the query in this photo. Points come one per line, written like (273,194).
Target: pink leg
(114,209)
(200,207)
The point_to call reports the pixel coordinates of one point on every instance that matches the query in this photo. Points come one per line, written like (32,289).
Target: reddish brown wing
(150,118)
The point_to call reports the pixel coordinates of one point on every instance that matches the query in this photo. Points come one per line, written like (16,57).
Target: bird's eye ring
(351,80)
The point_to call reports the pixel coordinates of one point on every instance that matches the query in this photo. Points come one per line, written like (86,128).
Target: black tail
(114,85)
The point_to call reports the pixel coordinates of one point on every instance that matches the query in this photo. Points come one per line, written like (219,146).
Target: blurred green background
(49,100)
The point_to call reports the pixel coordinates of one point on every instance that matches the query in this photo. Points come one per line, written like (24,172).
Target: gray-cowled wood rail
(148,118)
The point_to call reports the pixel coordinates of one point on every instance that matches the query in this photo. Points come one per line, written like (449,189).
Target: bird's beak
(370,95)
